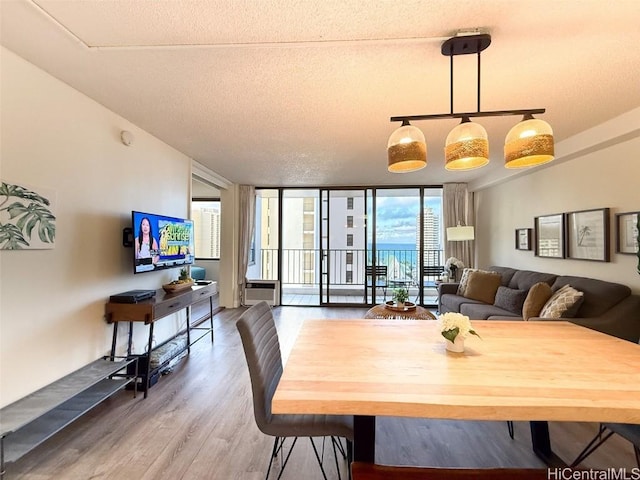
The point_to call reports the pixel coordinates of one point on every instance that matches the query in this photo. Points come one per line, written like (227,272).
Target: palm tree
(583,232)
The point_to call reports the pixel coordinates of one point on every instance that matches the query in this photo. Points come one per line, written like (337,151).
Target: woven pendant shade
(467,147)
(528,143)
(406,150)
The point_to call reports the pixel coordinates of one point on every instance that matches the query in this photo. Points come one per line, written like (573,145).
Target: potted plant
(455,327)
(400,296)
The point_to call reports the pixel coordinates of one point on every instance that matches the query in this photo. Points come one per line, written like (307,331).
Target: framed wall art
(627,232)
(549,236)
(588,235)
(27,217)
(523,239)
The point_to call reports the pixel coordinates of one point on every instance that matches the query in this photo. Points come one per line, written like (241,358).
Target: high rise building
(431,236)
(207,233)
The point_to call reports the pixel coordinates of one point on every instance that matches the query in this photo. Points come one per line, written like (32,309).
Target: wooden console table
(153,309)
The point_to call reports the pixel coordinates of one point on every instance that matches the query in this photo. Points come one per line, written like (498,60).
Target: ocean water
(400,258)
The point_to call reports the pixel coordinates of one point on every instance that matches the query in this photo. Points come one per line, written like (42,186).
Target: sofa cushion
(506,273)
(561,301)
(482,311)
(525,279)
(599,296)
(483,286)
(450,302)
(510,299)
(536,299)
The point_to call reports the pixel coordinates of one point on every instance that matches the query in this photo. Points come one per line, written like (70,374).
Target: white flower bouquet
(452,265)
(453,324)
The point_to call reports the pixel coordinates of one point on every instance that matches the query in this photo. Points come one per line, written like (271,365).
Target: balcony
(344,276)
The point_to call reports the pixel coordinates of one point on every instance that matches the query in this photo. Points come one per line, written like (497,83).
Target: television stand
(153,309)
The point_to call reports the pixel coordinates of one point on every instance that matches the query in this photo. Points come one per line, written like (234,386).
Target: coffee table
(382,312)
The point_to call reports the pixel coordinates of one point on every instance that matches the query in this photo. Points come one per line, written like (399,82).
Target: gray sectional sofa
(607,307)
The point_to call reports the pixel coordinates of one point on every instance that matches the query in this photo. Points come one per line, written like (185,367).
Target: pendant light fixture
(407,149)
(529,143)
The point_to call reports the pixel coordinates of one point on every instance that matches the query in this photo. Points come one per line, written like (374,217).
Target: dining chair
(605,431)
(262,351)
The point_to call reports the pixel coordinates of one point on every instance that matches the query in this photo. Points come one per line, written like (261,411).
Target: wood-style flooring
(197,423)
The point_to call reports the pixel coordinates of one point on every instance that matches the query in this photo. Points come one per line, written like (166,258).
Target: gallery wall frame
(523,239)
(588,235)
(627,232)
(550,235)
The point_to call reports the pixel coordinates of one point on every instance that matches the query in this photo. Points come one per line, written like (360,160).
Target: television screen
(161,242)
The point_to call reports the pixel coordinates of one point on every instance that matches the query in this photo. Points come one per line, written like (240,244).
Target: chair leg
(338,444)
(315,450)
(335,456)
(592,446)
(636,449)
(275,452)
(510,428)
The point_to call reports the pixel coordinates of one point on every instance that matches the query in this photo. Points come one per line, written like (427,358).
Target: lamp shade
(467,147)
(460,233)
(407,150)
(529,143)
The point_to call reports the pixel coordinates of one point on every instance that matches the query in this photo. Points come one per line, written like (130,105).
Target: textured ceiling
(299,92)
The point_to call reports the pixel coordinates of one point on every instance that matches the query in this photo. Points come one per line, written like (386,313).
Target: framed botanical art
(523,239)
(549,236)
(627,232)
(588,235)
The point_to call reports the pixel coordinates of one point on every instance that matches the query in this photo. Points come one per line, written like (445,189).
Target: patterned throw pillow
(560,302)
(536,299)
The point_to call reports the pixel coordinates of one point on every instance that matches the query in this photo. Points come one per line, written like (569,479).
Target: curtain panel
(457,208)
(247,207)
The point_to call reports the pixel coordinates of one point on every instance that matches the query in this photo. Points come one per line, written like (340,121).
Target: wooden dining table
(522,371)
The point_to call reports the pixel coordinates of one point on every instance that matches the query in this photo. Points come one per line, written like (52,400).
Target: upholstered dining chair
(628,431)
(262,350)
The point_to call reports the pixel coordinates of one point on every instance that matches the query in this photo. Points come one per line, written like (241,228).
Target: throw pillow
(561,301)
(482,286)
(573,311)
(464,279)
(510,299)
(536,299)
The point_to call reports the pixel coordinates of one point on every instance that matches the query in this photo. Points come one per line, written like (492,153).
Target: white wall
(606,177)
(52,301)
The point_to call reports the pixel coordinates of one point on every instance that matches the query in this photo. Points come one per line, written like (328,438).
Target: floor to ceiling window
(323,244)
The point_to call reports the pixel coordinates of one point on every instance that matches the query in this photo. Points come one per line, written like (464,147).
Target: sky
(396,218)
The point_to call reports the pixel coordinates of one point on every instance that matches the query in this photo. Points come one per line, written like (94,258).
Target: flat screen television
(161,242)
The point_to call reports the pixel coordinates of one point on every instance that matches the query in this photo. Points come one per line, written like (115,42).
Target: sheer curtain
(458,207)
(247,206)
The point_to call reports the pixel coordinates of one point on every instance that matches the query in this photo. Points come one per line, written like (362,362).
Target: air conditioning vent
(258,290)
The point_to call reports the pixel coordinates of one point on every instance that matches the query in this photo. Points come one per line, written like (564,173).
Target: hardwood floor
(197,423)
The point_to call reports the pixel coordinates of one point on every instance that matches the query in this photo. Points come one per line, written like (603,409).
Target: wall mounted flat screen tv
(161,242)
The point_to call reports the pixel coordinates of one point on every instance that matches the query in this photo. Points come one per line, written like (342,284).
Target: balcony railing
(344,267)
